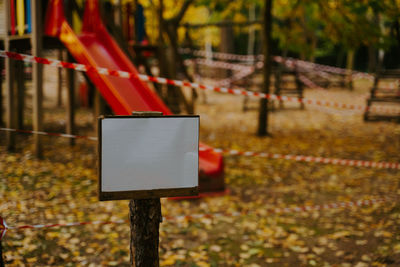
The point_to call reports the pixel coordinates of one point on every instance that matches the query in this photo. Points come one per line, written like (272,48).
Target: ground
(62,187)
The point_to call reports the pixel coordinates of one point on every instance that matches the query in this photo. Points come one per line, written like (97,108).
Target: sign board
(148,156)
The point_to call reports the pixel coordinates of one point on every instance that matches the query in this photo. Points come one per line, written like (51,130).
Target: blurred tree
(170,60)
(267,36)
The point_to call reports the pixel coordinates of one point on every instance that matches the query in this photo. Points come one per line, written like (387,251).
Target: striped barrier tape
(242,70)
(307,82)
(236,77)
(217,64)
(307,64)
(50,134)
(311,65)
(147,78)
(287,210)
(219,55)
(3,228)
(290,62)
(302,158)
(245,70)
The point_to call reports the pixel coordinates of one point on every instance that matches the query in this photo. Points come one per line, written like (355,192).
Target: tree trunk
(163,62)
(340,57)
(350,60)
(371,59)
(169,65)
(145,218)
(263,113)
(313,48)
(350,67)
(252,30)
(227,45)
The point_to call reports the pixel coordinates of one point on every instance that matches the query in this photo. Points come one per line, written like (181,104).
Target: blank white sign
(147,153)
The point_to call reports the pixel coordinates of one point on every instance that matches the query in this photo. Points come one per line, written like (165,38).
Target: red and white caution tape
(236,77)
(36,226)
(292,209)
(217,64)
(50,134)
(146,78)
(242,70)
(219,55)
(301,63)
(319,69)
(3,228)
(303,158)
(306,81)
(245,70)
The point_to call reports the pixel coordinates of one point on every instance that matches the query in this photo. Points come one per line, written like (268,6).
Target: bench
(381,94)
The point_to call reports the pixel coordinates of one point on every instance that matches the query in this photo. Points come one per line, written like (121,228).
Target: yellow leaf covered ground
(63,188)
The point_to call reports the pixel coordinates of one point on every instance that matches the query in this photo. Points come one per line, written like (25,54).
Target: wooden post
(263,113)
(8,64)
(3,230)
(59,80)
(37,75)
(1,92)
(145,218)
(20,79)
(70,126)
(10,106)
(99,105)
(2,264)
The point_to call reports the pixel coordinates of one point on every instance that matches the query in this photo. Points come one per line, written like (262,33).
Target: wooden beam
(1,92)
(98,105)
(2,264)
(59,78)
(10,107)
(37,75)
(70,127)
(10,122)
(20,80)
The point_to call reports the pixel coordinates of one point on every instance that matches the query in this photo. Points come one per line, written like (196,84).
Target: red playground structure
(95,47)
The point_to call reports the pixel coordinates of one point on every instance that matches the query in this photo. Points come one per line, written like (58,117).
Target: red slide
(95,47)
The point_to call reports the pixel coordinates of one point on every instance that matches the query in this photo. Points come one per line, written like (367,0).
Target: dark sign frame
(141,194)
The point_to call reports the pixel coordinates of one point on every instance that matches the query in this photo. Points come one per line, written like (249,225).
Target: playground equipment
(381,95)
(287,83)
(15,35)
(95,47)
(16,17)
